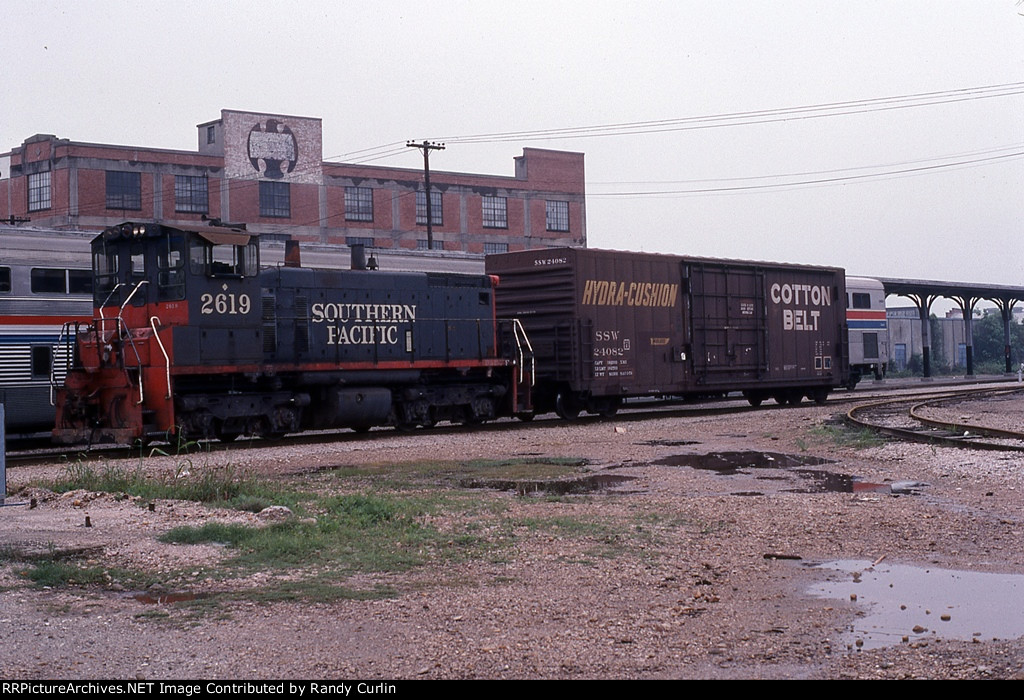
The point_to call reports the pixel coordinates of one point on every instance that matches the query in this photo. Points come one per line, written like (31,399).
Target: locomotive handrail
(167,360)
(116,287)
(63,339)
(131,339)
(123,333)
(129,298)
(519,333)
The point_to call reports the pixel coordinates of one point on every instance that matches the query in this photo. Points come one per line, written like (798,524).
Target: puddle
(168,598)
(814,480)
(905,604)
(829,482)
(558,487)
(728,463)
(668,443)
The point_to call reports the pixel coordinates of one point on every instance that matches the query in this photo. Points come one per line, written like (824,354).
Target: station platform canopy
(966,295)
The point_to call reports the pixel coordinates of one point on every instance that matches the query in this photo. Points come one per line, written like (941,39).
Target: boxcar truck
(607,325)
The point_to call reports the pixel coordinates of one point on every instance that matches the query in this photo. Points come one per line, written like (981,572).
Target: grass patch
(224,486)
(350,533)
(843,434)
(415,475)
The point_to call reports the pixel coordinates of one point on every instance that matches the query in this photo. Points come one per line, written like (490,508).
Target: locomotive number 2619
(230,304)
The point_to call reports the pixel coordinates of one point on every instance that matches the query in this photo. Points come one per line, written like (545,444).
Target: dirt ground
(681,572)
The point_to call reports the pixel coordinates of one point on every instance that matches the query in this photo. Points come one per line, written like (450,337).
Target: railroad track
(639,411)
(903,418)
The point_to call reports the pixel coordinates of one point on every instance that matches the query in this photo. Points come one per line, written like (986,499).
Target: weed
(845,435)
(224,485)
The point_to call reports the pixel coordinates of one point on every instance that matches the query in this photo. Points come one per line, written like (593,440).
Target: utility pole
(426,147)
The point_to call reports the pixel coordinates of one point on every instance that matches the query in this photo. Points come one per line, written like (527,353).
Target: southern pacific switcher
(190,337)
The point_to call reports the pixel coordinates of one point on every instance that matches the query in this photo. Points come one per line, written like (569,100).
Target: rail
(959,434)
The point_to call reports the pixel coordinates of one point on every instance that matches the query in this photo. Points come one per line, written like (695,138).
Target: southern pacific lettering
(611,293)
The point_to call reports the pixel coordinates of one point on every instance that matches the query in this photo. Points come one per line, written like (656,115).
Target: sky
(885,137)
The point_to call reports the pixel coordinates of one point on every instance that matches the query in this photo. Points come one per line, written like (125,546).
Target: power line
(815,111)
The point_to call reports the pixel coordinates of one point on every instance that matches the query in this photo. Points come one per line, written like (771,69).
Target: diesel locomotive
(191,338)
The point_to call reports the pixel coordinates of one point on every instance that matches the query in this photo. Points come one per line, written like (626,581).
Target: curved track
(903,419)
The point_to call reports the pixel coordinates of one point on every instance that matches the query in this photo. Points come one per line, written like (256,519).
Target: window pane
(436,211)
(42,360)
(492,248)
(48,281)
(39,191)
(124,190)
(79,282)
(358,204)
(870,346)
(557,215)
(191,194)
(495,213)
(275,199)
(5,279)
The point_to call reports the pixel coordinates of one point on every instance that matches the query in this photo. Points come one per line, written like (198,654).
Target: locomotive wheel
(525,417)
(794,398)
(610,408)
(565,406)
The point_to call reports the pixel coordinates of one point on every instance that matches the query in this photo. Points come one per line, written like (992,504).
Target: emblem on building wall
(274,144)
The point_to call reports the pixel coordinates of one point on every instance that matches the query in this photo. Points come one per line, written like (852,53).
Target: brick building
(268,171)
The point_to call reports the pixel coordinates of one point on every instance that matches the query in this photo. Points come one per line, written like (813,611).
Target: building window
(557,215)
(211,135)
(191,194)
(359,240)
(275,199)
(421,244)
(495,212)
(358,204)
(124,190)
(492,248)
(436,218)
(39,191)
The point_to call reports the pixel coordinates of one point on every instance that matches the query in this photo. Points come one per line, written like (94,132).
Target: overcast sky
(869,135)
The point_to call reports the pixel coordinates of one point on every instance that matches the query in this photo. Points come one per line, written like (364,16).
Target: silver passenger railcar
(868,329)
(45,281)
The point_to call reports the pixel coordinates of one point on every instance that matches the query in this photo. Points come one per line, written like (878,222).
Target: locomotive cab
(162,296)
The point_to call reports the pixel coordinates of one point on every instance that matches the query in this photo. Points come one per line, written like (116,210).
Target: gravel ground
(693,573)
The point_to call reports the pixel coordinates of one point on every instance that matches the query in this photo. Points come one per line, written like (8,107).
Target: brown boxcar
(606,325)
